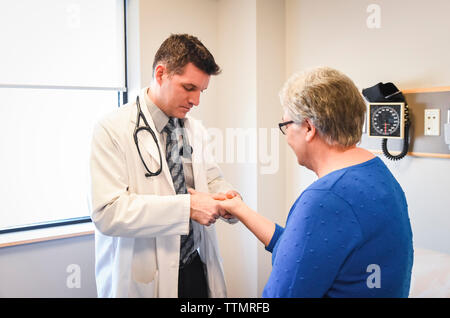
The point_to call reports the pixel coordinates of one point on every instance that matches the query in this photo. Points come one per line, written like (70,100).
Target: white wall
(159,19)
(235,107)
(270,74)
(411,46)
(412,51)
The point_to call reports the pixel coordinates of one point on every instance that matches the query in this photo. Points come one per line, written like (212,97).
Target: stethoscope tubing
(137,129)
(147,127)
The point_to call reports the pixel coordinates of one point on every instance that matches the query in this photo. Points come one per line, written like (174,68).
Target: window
(63,67)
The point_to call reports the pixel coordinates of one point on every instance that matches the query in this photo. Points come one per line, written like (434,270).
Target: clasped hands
(206,208)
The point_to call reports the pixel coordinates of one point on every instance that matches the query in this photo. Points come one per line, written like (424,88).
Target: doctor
(154,234)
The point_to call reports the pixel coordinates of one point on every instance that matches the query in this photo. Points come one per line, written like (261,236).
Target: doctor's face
(180,92)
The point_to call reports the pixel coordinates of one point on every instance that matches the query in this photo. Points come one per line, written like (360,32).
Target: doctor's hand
(204,209)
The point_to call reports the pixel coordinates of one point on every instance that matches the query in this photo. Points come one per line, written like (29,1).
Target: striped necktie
(176,170)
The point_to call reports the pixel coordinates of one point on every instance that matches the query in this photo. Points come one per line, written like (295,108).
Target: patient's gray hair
(330,100)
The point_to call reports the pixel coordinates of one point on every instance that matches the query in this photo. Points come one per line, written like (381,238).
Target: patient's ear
(310,130)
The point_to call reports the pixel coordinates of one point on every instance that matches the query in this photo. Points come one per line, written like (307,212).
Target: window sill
(47,234)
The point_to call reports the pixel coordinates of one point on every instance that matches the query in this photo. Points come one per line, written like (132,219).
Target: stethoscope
(137,129)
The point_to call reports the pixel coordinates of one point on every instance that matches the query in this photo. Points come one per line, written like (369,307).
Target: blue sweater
(347,235)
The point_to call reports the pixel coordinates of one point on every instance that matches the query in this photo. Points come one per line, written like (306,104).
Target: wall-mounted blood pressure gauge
(386,120)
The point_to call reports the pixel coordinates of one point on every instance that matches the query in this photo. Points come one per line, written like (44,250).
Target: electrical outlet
(432,122)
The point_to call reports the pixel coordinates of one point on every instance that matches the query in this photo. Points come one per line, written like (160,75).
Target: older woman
(348,234)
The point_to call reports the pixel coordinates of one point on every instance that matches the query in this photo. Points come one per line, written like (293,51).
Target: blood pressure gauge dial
(386,120)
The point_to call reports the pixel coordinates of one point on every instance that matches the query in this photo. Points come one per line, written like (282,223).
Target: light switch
(432,122)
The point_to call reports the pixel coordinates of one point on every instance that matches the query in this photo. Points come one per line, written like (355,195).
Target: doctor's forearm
(259,225)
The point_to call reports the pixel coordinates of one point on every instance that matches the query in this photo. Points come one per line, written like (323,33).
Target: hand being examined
(231,207)
(228,202)
(207,208)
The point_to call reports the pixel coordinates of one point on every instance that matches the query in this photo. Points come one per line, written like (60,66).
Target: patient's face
(295,137)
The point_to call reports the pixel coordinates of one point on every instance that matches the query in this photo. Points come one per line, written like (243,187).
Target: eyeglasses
(283,126)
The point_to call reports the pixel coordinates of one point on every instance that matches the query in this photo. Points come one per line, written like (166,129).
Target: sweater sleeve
(276,235)
(320,234)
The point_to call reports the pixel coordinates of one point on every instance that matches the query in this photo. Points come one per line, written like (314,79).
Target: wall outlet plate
(432,122)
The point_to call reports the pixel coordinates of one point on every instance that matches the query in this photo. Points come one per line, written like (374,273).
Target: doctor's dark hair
(330,100)
(180,49)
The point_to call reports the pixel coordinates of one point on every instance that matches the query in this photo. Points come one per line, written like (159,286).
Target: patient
(348,234)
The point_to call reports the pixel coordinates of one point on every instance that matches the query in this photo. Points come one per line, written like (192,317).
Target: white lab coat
(139,220)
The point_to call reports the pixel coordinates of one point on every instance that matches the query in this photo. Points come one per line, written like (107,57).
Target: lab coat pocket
(144,290)
(144,270)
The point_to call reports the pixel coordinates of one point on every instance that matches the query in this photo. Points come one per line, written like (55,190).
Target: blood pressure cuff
(383,93)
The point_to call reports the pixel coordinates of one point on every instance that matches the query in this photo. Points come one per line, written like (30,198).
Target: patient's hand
(231,203)
(223,196)
(226,196)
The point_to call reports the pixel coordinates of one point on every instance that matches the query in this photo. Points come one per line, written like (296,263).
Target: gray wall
(41,269)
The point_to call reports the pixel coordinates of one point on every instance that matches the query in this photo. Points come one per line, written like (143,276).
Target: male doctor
(154,233)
